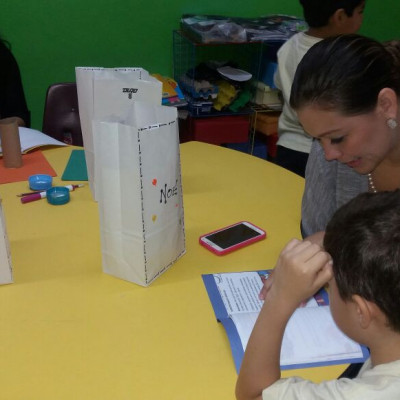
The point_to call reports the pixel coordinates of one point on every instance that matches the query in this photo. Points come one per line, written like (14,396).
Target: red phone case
(263,235)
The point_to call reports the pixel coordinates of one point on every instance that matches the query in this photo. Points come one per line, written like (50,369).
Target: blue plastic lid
(40,182)
(57,195)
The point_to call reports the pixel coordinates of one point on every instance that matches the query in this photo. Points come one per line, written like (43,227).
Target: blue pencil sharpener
(57,195)
(40,182)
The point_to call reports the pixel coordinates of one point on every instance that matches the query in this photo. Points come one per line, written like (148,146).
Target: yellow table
(69,331)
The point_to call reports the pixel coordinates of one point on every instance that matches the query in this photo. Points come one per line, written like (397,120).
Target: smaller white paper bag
(104,92)
(5,255)
(139,192)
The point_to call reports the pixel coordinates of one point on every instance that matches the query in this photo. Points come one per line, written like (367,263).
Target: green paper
(76,167)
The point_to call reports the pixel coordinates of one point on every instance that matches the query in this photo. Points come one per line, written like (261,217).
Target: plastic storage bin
(220,130)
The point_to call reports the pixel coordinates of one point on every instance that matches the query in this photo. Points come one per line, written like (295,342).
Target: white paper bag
(104,92)
(5,256)
(139,192)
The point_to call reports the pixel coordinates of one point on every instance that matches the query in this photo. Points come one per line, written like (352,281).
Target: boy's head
(363,239)
(319,13)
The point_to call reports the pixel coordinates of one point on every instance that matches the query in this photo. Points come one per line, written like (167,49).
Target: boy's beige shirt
(380,382)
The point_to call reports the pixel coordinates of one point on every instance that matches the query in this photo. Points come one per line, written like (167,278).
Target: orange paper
(33,163)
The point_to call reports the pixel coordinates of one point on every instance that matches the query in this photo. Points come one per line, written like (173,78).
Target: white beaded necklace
(371,184)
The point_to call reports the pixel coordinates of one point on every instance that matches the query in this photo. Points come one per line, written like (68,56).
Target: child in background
(325,18)
(361,262)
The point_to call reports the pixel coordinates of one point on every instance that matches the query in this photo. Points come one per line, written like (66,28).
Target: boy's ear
(387,103)
(364,310)
(338,18)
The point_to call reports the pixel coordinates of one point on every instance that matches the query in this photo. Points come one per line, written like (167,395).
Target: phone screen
(233,235)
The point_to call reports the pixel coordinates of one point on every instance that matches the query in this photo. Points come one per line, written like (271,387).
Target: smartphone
(232,237)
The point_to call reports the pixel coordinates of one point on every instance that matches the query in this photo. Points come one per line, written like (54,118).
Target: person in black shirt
(12,97)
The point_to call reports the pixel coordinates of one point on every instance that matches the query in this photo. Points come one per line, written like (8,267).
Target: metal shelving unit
(187,54)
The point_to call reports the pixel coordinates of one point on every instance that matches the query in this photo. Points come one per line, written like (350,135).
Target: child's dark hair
(363,239)
(317,12)
(346,73)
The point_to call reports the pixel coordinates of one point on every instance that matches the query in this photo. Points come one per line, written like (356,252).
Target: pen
(41,195)
(28,193)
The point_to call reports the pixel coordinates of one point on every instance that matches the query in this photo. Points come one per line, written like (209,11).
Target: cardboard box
(264,95)
(5,256)
(266,123)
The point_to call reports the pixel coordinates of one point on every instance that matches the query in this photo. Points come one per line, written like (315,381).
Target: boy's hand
(301,270)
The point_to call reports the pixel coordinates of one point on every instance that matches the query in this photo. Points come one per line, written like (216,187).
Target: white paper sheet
(31,138)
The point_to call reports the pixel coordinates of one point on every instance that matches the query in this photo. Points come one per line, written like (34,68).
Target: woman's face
(362,142)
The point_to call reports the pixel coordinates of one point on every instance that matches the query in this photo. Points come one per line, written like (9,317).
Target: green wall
(50,37)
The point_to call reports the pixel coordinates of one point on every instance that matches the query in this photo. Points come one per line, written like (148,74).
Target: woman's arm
(319,197)
(317,238)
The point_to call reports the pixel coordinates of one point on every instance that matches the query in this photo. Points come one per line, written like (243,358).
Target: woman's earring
(391,123)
